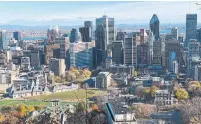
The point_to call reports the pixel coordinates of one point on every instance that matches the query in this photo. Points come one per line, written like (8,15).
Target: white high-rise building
(197,75)
(175,67)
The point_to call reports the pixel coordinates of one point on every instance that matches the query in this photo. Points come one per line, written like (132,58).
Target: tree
(95,107)
(80,107)
(30,108)
(87,72)
(181,94)
(143,110)
(70,76)
(1,118)
(191,111)
(22,111)
(153,90)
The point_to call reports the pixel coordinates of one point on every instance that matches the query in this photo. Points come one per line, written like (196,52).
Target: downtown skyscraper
(191,28)
(154,26)
(105,35)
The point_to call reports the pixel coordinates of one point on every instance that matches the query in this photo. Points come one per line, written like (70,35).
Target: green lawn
(66,97)
(22,102)
(70,96)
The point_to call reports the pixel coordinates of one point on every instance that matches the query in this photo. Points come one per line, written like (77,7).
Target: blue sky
(75,13)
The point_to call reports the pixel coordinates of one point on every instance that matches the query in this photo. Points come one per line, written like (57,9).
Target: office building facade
(191,27)
(154,26)
(81,54)
(57,66)
(3,40)
(117,52)
(174,33)
(17,35)
(108,24)
(130,50)
(197,76)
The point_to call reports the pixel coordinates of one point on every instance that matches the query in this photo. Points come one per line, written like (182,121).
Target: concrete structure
(150,41)
(175,67)
(25,63)
(174,33)
(197,76)
(193,55)
(193,48)
(32,86)
(117,52)
(191,28)
(121,69)
(35,59)
(52,33)
(157,53)
(17,35)
(142,55)
(130,50)
(120,35)
(3,40)
(57,66)
(172,46)
(50,51)
(81,54)
(103,80)
(163,98)
(154,26)
(64,46)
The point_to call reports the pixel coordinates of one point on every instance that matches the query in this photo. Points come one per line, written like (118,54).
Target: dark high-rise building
(101,46)
(154,26)
(117,52)
(191,28)
(86,34)
(142,55)
(89,24)
(35,59)
(17,35)
(199,35)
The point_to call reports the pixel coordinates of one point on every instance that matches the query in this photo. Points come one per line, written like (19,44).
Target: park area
(65,97)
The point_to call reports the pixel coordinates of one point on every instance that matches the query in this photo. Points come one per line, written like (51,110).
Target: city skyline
(74,13)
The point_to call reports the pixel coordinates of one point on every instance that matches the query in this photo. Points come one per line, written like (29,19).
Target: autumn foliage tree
(143,110)
(181,94)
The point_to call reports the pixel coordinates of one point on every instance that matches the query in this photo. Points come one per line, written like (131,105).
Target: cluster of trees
(191,111)
(143,110)
(147,93)
(16,114)
(72,75)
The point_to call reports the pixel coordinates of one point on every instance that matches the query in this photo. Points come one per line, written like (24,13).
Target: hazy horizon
(75,13)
